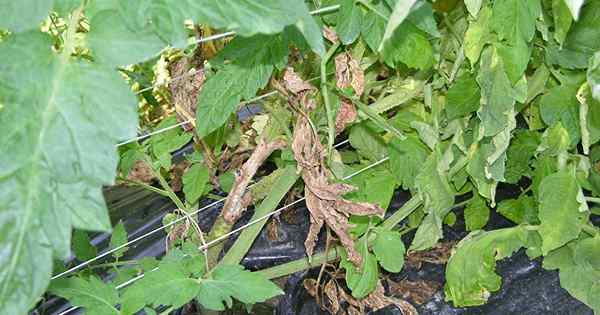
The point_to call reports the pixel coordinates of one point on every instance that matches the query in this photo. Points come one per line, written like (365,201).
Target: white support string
(141,237)
(241,228)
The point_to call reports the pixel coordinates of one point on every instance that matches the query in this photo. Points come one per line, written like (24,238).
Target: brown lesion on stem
(238,198)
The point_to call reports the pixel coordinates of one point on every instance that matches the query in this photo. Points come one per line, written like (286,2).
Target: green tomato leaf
(97,297)
(514,20)
(195,181)
(82,246)
(562,210)
(438,197)
(61,120)
(409,46)
(574,7)
(221,94)
(463,97)
(519,154)
(349,22)
(363,280)
(497,109)
(389,250)
(118,238)
(400,11)
(365,139)
(477,213)
(406,159)
(232,281)
(515,58)
(169,285)
(562,20)
(478,35)
(560,104)
(520,210)
(470,276)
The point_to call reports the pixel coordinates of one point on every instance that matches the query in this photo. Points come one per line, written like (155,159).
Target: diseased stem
(325,93)
(236,203)
(284,183)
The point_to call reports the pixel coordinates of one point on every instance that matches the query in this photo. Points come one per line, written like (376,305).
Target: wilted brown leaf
(185,90)
(348,73)
(323,199)
(330,35)
(437,255)
(419,291)
(345,115)
(141,172)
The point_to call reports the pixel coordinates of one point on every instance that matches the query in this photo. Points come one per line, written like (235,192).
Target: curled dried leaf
(418,292)
(323,199)
(345,115)
(185,90)
(294,83)
(348,73)
(330,34)
(141,172)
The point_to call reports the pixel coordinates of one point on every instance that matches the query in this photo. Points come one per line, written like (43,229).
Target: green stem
(300,264)
(591,229)
(117,263)
(326,101)
(146,186)
(280,188)
(592,199)
(411,205)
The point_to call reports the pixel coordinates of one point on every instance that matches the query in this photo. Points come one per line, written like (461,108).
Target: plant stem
(147,186)
(117,263)
(411,205)
(592,199)
(280,188)
(326,101)
(300,264)
(591,229)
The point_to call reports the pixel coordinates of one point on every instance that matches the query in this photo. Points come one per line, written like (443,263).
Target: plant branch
(326,101)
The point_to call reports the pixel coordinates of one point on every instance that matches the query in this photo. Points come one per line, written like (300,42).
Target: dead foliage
(418,292)
(348,73)
(185,90)
(330,35)
(141,172)
(337,301)
(438,255)
(323,199)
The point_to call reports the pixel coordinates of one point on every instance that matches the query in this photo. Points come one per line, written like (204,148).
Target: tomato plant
(444,99)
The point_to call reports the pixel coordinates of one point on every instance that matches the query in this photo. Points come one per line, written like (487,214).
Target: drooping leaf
(477,213)
(560,104)
(365,139)
(61,120)
(470,276)
(118,238)
(389,250)
(95,296)
(400,11)
(562,20)
(495,89)
(438,197)
(463,97)
(410,46)
(363,280)
(227,282)
(562,211)
(195,181)
(514,20)
(406,159)
(349,22)
(522,148)
(478,35)
(520,210)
